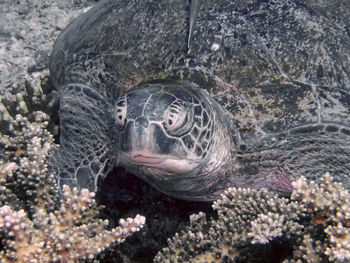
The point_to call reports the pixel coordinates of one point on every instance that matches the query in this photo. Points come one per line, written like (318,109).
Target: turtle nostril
(141,121)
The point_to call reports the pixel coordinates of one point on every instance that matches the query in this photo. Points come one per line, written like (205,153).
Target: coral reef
(34,225)
(69,235)
(328,205)
(311,226)
(26,98)
(24,172)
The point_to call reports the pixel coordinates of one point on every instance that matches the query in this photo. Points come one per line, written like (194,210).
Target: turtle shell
(268,53)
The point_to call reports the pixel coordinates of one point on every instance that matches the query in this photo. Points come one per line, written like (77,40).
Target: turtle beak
(144,159)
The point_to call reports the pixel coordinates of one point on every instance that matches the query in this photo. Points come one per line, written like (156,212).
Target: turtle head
(159,125)
(164,133)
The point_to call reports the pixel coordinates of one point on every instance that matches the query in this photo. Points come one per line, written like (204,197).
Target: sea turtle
(261,98)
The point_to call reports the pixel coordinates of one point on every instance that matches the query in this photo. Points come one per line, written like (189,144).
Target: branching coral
(67,235)
(224,239)
(313,224)
(329,207)
(267,227)
(24,172)
(25,144)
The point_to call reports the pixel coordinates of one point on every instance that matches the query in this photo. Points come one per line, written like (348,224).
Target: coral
(67,235)
(26,99)
(223,239)
(34,225)
(311,226)
(267,227)
(329,207)
(24,172)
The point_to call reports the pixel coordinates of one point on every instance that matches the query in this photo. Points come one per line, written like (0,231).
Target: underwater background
(311,226)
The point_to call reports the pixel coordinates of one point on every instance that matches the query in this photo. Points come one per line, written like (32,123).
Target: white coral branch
(61,236)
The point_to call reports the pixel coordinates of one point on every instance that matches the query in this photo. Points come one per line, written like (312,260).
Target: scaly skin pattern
(86,149)
(274,75)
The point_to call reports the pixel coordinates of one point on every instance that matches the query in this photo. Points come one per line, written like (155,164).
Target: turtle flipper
(85,151)
(274,180)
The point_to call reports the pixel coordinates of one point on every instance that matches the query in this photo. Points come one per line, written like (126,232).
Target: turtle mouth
(157,164)
(150,165)
(141,159)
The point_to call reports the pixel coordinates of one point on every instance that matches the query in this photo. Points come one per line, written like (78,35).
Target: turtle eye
(120,111)
(178,118)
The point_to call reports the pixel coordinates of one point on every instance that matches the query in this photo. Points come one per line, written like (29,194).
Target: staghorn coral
(329,207)
(267,227)
(24,172)
(311,226)
(26,139)
(33,227)
(227,237)
(26,99)
(67,235)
